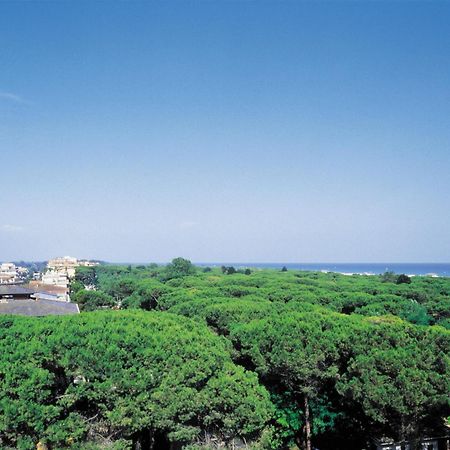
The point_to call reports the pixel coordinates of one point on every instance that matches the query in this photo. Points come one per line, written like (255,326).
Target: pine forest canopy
(179,356)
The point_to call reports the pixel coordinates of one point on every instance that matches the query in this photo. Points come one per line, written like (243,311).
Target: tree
(287,326)
(86,275)
(135,378)
(298,350)
(92,300)
(228,270)
(76,286)
(415,313)
(403,279)
(399,375)
(178,268)
(284,269)
(388,277)
(144,297)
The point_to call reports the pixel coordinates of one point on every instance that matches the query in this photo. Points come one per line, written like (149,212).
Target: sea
(430,269)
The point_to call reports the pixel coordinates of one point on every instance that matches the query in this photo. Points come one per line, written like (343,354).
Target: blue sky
(225,131)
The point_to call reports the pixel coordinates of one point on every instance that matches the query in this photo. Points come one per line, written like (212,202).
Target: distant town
(39,289)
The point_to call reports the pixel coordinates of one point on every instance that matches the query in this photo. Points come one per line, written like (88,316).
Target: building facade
(64,265)
(8,273)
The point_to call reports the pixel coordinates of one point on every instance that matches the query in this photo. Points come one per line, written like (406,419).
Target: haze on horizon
(233,131)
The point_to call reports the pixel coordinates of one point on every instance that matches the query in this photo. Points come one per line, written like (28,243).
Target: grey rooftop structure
(15,291)
(37,307)
(19,300)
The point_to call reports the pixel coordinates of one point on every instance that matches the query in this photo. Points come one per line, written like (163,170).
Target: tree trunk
(307,424)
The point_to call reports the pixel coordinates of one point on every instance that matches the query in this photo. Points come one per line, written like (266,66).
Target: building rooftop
(13,289)
(19,299)
(38,307)
(38,286)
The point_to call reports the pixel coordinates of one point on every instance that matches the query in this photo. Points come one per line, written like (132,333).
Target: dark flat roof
(38,307)
(13,289)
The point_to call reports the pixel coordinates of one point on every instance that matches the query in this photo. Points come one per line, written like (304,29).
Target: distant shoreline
(413,269)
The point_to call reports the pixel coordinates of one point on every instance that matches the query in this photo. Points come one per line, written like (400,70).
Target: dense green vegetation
(221,356)
(121,378)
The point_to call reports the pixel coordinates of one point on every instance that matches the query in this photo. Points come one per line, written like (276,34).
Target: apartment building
(55,278)
(8,273)
(64,265)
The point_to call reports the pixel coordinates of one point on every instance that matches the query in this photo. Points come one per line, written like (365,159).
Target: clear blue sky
(225,131)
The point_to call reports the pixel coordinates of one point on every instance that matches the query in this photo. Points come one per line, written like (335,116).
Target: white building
(8,273)
(22,271)
(55,278)
(65,265)
(85,263)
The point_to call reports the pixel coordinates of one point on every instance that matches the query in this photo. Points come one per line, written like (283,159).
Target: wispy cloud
(8,228)
(9,96)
